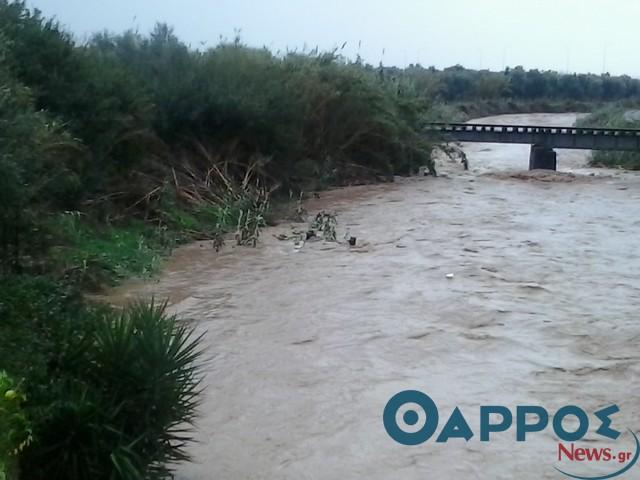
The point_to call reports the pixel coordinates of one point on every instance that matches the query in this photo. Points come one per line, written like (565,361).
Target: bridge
(543,139)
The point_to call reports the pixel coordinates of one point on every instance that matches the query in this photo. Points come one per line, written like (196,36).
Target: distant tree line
(457,83)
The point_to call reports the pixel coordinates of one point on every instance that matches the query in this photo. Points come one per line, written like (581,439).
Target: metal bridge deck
(550,137)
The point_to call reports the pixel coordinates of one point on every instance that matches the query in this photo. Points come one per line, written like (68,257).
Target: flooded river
(484,287)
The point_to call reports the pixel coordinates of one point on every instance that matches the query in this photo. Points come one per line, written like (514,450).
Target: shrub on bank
(614,117)
(15,428)
(108,394)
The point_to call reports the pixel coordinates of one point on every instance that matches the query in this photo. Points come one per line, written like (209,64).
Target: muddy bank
(309,344)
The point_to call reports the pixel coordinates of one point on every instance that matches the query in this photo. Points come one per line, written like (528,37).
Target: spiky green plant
(149,362)
(125,406)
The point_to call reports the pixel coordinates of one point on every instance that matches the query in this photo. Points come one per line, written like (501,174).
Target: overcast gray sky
(573,35)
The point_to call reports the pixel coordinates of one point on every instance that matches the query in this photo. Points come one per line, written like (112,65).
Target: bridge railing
(531,129)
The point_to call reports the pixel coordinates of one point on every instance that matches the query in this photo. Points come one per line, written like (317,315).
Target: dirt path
(308,345)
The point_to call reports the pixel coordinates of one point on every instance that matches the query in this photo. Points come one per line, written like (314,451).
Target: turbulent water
(308,344)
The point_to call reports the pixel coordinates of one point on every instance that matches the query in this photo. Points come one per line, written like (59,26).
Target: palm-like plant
(148,364)
(130,416)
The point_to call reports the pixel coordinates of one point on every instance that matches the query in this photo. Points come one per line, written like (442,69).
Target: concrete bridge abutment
(542,157)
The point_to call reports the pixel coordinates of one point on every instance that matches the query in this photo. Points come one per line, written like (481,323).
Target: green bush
(124,408)
(612,117)
(104,105)
(15,428)
(314,116)
(38,316)
(109,394)
(35,153)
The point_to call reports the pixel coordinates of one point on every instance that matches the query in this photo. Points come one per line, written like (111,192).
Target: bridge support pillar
(542,157)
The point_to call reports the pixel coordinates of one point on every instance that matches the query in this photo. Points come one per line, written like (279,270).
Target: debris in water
(325,223)
(537,175)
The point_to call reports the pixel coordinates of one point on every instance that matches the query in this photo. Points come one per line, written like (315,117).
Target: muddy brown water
(308,344)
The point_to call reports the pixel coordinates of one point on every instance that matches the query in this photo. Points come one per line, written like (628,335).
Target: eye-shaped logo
(410,417)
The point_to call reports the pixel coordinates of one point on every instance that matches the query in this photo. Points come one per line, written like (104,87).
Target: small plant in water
(325,223)
(251,219)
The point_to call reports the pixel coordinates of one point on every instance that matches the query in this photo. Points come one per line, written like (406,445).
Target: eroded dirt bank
(308,345)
